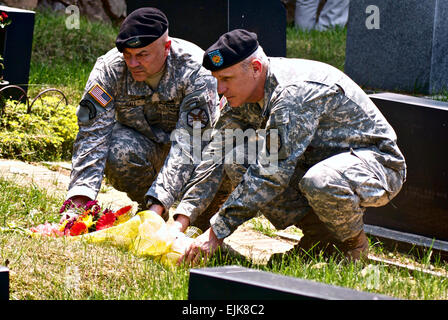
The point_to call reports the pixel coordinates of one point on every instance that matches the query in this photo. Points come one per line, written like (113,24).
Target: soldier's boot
(317,240)
(356,248)
(203,220)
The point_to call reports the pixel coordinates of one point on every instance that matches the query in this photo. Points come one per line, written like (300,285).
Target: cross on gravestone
(203,21)
(398,45)
(236,283)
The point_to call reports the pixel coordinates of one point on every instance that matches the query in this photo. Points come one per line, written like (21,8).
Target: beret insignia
(134,42)
(216,57)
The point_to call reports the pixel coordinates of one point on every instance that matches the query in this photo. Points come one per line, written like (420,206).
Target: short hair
(257,54)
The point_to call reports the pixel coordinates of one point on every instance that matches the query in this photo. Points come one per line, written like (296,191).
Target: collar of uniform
(270,84)
(141,88)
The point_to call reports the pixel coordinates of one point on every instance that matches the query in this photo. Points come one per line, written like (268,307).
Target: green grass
(54,269)
(48,268)
(327,46)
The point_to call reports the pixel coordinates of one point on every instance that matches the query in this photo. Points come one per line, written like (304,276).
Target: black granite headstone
(202,21)
(15,46)
(4,283)
(238,283)
(421,126)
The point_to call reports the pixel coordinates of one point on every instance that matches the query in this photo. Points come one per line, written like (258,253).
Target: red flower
(78,228)
(105,221)
(4,15)
(122,211)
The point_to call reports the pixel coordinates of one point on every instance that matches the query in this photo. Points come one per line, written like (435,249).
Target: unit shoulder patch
(197,115)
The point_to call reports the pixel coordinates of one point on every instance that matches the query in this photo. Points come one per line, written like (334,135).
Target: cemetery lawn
(50,268)
(57,269)
(328,46)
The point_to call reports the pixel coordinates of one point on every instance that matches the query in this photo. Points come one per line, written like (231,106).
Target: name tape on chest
(100,95)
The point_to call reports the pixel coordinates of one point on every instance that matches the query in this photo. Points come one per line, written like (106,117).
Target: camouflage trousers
(339,189)
(133,162)
(328,200)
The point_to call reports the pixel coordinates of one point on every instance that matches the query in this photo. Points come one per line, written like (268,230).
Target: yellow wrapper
(146,234)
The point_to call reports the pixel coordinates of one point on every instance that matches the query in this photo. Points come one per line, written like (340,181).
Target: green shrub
(46,133)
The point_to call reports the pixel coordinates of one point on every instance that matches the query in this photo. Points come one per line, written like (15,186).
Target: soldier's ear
(257,67)
(167,47)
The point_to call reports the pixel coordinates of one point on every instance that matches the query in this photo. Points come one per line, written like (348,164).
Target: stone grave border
(240,283)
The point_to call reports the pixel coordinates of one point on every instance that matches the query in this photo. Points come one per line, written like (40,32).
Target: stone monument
(398,45)
(202,21)
(16,43)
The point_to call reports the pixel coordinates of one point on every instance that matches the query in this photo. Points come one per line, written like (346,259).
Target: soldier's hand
(69,214)
(157,209)
(71,205)
(202,247)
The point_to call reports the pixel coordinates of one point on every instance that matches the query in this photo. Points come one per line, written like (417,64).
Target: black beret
(231,48)
(140,28)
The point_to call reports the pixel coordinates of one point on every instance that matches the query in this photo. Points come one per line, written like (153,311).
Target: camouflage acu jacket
(306,101)
(111,94)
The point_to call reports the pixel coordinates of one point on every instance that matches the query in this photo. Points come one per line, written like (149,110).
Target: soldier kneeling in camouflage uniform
(336,153)
(137,94)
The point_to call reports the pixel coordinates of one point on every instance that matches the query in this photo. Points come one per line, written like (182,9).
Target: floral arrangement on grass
(5,20)
(79,220)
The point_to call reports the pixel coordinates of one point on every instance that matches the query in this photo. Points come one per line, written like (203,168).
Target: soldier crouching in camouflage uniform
(336,153)
(136,95)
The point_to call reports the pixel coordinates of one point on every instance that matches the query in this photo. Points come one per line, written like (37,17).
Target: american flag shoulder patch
(100,95)
(222,102)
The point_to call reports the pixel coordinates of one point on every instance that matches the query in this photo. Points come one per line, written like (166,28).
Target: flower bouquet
(144,234)
(78,220)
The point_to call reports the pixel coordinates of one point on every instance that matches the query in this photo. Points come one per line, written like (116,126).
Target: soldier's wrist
(157,209)
(151,201)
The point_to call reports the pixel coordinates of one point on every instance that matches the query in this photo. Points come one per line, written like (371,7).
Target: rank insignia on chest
(100,95)
(197,115)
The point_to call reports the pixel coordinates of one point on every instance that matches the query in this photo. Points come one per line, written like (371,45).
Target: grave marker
(4,283)
(421,207)
(239,283)
(202,21)
(398,46)
(15,46)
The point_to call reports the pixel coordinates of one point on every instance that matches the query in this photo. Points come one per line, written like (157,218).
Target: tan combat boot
(356,248)
(316,236)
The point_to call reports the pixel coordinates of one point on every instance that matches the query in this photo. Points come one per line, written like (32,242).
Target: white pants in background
(334,13)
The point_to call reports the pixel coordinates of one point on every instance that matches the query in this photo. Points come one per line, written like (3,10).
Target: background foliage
(45,134)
